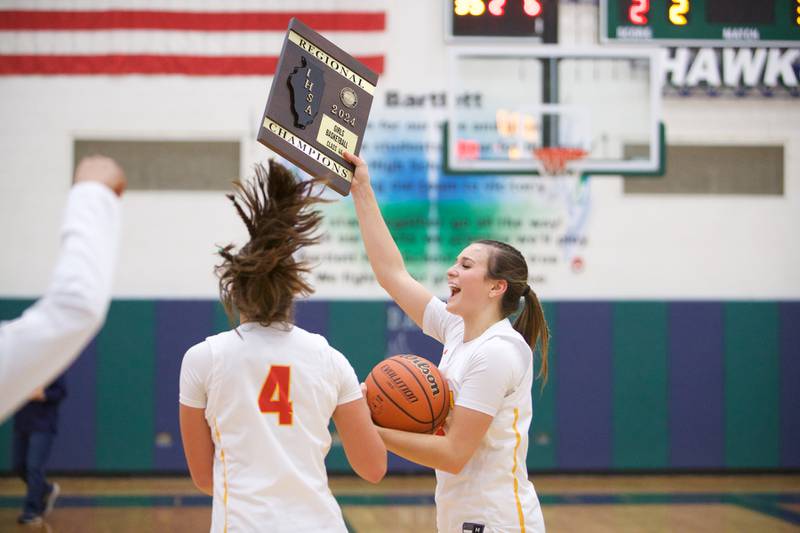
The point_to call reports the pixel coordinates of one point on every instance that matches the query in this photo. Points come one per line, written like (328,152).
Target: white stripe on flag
(172,42)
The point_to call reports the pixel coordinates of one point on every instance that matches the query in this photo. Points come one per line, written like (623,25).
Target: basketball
(407,392)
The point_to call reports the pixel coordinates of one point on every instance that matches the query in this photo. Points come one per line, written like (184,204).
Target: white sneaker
(50,500)
(29,519)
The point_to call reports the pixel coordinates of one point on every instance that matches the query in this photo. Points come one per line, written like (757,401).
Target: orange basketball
(407,392)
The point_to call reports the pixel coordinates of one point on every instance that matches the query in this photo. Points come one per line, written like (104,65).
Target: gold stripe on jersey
(224,474)
(514,474)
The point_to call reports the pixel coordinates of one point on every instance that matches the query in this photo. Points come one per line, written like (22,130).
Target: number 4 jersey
(269,394)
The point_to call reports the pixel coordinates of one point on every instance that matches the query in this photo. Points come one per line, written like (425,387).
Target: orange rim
(555,158)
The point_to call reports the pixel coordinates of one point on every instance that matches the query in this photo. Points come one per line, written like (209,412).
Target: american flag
(176,37)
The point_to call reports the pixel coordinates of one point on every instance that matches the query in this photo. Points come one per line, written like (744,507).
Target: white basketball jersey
(271,393)
(493,374)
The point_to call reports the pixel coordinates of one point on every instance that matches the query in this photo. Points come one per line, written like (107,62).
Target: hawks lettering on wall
(739,71)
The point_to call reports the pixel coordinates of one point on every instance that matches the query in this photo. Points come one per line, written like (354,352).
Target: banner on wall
(433,216)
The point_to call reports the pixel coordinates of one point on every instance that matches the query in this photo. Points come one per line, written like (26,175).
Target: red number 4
(274,396)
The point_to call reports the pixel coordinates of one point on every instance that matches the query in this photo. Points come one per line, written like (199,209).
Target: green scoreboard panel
(701,22)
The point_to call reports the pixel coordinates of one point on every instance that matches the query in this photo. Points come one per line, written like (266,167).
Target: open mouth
(454,291)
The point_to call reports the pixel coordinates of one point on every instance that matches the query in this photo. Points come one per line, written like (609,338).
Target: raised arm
(38,346)
(384,255)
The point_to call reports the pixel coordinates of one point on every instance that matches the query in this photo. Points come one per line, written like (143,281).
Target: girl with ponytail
(479,457)
(256,402)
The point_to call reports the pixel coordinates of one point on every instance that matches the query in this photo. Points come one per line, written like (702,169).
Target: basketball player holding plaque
(318,106)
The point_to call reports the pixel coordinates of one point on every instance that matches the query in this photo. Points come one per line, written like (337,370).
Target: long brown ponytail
(507,263)
(264,277)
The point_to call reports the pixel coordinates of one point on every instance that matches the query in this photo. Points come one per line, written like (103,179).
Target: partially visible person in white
(46,339)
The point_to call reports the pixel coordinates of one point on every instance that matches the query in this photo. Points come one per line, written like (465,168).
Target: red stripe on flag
(121,64)
(19,20)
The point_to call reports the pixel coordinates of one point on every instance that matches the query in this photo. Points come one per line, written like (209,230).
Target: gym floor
(683,503)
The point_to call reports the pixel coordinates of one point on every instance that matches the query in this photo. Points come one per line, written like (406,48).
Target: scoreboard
(701,22)
(501,20)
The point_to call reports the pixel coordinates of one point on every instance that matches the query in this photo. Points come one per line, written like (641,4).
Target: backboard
(504,103)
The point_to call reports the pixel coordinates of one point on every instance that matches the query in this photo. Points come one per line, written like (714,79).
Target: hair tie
(526,290)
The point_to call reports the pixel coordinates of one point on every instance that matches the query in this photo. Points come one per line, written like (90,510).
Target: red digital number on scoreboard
(532,8)
(637,12)
(497,7)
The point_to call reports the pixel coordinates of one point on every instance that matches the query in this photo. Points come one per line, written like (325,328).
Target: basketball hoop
(554,159)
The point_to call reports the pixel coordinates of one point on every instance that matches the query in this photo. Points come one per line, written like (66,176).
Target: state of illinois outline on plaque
(318,106)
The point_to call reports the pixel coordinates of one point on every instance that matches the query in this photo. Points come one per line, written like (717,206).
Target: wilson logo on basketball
(425,367)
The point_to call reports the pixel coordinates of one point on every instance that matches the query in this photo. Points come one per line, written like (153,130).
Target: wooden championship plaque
(318,106)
